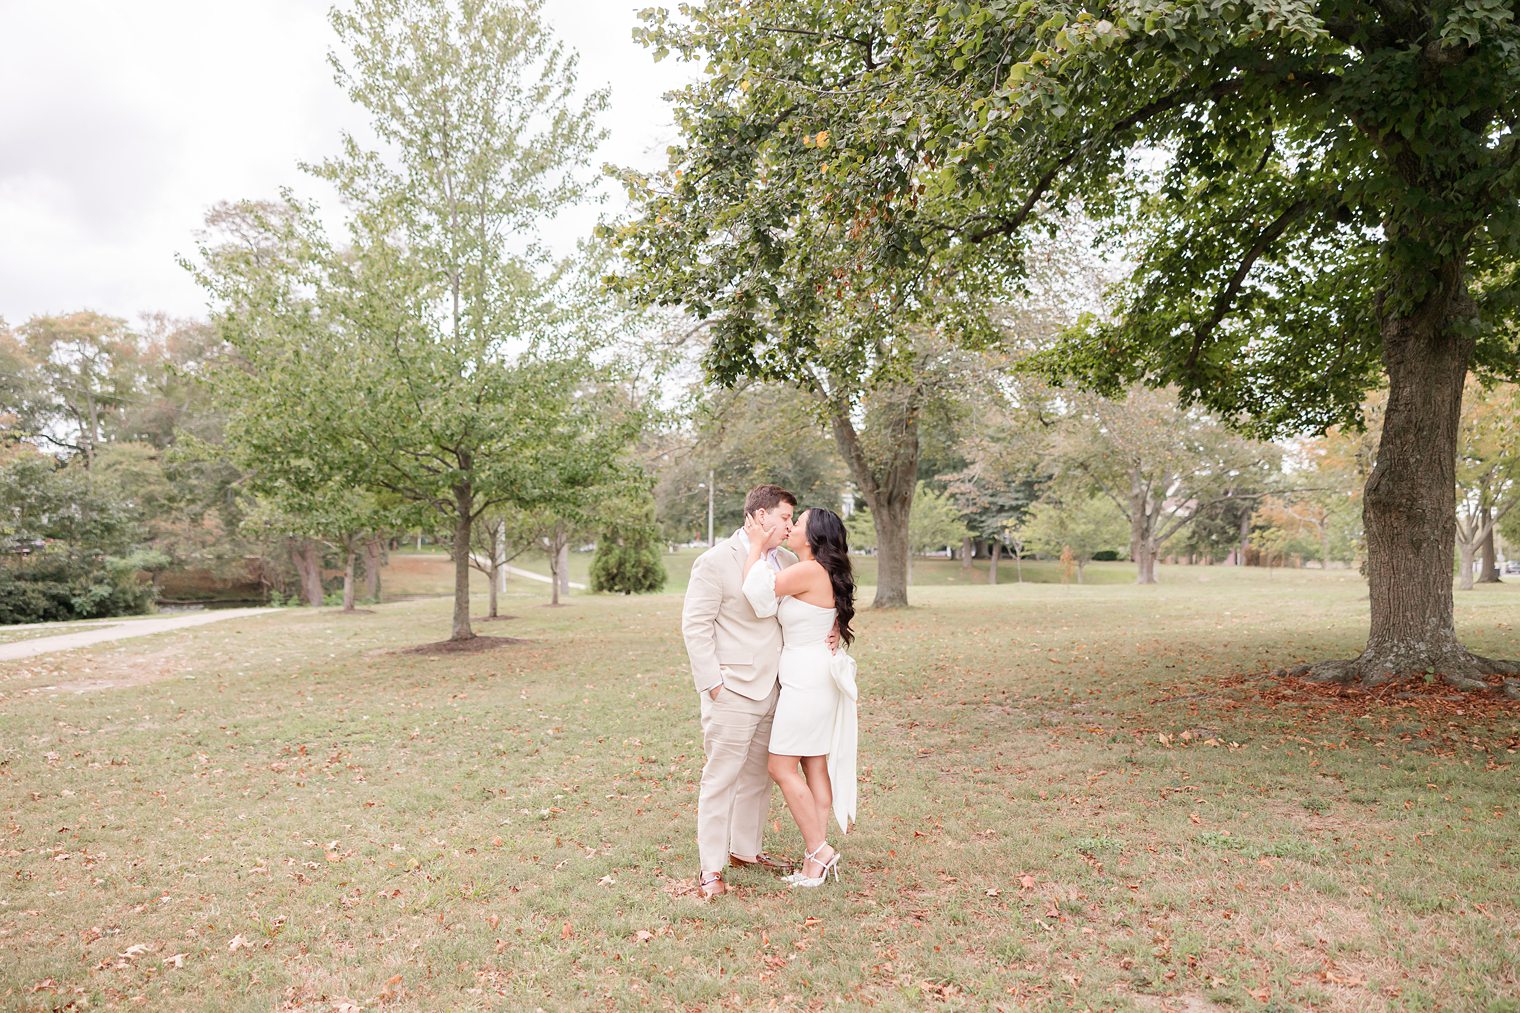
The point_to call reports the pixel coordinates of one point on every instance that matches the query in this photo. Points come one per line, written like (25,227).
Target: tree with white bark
(1488,469)
(1160,464)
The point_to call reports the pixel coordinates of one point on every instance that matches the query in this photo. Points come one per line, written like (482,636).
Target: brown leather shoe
(710,885)
(779,866)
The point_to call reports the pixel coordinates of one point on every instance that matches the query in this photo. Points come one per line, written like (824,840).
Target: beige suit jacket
(725,640)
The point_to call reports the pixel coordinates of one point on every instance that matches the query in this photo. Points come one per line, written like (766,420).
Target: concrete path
(515,572)
(119,631)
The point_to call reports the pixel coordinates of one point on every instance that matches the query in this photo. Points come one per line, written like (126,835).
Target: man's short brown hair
(767,497)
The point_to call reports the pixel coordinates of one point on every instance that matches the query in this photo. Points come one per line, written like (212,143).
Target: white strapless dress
(804,722)
(816,709)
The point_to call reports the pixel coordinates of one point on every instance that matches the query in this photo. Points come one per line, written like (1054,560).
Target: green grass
(1070,799)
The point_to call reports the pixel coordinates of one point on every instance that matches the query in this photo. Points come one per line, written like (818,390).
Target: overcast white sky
(121,123)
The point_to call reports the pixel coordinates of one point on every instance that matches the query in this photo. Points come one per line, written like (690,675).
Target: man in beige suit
(734,657)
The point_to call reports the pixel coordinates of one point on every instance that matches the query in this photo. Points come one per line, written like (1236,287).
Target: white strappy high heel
(832,865)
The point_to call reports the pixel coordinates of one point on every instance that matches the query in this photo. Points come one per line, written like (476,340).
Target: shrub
(627,556)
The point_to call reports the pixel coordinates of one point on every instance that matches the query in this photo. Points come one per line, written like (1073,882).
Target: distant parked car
(1513,566)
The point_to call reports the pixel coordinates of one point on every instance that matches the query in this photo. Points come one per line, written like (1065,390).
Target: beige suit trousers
(736,790)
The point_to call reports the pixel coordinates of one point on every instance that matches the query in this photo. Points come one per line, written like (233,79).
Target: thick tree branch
(863,40)
(1226,297)
(1008,225)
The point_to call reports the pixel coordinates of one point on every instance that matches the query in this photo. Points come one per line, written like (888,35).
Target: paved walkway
(513,571)
(117,631)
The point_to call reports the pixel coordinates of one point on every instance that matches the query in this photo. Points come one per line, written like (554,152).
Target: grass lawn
(1071,797)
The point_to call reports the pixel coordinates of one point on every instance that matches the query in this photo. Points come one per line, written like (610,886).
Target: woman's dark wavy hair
(826,537)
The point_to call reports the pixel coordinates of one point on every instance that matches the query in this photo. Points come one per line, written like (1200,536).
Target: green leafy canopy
(1284,174)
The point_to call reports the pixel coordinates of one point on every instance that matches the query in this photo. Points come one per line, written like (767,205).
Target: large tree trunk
(1245,539)
(992,561)
(307,557)
(891,522)
(1409,504)
(887,487)
(350,555)
(1145,562)
(966,545)
(464,506)
(1488,572)
(374,559)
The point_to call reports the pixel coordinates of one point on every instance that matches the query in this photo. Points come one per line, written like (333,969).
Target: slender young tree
(1161,466)
(453,377)
(475,105)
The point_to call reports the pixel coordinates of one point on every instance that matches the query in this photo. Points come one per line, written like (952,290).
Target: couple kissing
(765,615)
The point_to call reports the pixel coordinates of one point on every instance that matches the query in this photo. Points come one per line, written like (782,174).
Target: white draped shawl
(842,745)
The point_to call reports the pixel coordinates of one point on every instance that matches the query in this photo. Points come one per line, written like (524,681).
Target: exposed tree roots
(1459,669)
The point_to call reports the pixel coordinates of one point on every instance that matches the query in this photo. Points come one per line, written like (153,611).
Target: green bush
(628,549)
(56,589)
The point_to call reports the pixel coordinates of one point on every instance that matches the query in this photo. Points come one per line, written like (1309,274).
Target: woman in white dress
(809,598)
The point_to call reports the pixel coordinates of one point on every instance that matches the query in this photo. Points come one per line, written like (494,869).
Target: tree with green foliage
(71,542)
(1069,518)
(935,522)
(739,229)
(628,547)
(85,368)
(1316,196)
(428,357)
(1161,465)
(738,438)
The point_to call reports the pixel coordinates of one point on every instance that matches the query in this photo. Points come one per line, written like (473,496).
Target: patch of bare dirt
(492,619)
(475,645)
(348,612)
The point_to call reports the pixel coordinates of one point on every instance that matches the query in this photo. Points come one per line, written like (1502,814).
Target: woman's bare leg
(801,802)
(816,770)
